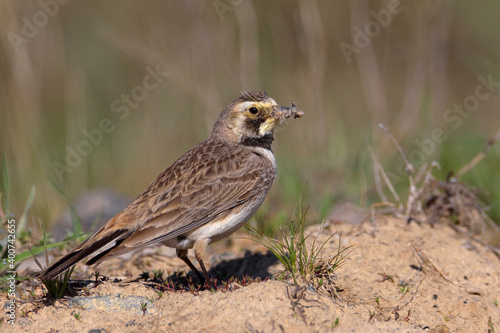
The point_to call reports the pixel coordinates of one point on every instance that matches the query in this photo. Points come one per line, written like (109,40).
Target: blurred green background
(67,66)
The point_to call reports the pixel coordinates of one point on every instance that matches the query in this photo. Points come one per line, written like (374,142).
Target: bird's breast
(219,229)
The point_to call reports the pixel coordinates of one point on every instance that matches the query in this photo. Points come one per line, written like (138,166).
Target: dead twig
(409,167)
(413,203)
(391,209)
(469,166)
(413,296)
(379,171)
(429,262)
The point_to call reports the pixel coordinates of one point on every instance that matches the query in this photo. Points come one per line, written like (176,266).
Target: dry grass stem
(437,200)
(379,171)
(479,156)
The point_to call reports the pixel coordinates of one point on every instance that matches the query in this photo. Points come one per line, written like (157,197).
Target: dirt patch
(399,277)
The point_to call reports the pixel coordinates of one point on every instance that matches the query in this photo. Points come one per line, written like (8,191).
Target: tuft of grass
(267,223)
(77,316)
(144,307)
(55,287)
(158,274)
(301,257)
(491,328)
(21,234)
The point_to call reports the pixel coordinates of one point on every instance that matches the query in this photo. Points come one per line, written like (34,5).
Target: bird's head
(252,118)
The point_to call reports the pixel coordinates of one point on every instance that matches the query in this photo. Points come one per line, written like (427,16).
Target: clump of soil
(399,277)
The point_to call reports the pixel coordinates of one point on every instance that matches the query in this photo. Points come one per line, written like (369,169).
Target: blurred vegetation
(61,77)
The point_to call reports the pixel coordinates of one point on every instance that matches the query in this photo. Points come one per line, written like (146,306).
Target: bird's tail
(91,245)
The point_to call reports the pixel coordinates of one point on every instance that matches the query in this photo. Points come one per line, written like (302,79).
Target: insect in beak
(282,112)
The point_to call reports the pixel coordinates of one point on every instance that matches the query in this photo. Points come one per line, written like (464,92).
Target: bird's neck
(262,141)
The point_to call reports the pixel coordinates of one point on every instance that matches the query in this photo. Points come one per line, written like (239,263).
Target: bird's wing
(203,186)
(204,200)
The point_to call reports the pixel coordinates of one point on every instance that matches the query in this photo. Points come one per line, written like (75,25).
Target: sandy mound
(398,278)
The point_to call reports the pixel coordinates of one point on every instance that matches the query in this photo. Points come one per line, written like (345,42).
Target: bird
(207,194)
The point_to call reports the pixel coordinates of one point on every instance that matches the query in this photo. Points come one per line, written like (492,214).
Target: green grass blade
(27,207)
(37,250)
(6,184)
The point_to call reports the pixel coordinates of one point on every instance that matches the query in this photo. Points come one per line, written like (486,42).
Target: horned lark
(206,195)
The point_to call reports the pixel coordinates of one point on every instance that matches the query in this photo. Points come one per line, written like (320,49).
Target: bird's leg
(199,251)
(183,255)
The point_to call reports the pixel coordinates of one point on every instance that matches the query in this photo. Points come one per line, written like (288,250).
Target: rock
(118,303)
(99,204)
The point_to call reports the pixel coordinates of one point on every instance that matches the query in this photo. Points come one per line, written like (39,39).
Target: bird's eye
(254,110)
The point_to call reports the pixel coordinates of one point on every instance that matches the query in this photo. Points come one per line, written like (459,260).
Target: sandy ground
(399,277)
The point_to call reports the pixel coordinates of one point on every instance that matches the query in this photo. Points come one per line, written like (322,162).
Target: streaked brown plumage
(207,194)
